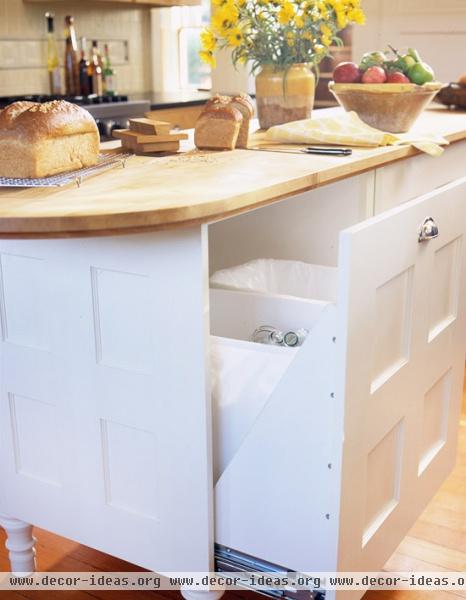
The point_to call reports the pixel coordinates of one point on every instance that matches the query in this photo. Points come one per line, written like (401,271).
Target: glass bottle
(53,65)
(71,58)
(108,74)
(268,334)
(97,75)
(84,83)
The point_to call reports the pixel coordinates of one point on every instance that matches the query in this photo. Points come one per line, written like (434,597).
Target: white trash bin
(244,374)
(243,377)
(283,277)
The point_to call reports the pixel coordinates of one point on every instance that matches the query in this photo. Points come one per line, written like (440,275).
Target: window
(174,48)
(193,73)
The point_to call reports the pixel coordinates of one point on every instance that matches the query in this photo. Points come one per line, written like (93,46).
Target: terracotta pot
(284,95)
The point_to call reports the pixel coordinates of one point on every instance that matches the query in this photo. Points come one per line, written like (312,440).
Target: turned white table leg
(201,595)
(20,545)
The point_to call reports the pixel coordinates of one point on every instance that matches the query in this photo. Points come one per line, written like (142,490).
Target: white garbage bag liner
(244,376)
(284,277)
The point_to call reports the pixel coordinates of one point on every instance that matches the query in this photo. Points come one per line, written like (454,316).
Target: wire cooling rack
(106,161)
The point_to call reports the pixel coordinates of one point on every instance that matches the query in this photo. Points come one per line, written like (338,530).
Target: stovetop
(93,99)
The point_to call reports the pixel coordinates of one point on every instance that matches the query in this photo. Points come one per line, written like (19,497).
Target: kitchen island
(106,412)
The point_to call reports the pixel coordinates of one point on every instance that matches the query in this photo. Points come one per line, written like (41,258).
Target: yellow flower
(208,57)
(299,21)
(290,39)
(319,49)
(357,16)
(341,18)
(322,10)
(286,13)
(235,37)
(208,40)
(325,29)
(307,35)
(326,40)
(224,18)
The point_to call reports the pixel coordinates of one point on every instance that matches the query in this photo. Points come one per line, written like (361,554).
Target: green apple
(421,73)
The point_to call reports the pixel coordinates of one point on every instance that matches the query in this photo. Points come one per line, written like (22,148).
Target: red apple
(374,75)
(347,72)
(397,77)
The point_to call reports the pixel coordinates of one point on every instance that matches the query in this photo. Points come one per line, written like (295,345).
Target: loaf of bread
(217,127)
(38,140)
(244,104)
(217,99)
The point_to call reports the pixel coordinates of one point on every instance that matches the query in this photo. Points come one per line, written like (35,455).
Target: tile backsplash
(23,42)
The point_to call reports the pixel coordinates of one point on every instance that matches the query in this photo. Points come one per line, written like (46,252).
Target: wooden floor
(437,542)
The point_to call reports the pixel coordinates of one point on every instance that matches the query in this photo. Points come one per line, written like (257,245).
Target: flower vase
(284,95)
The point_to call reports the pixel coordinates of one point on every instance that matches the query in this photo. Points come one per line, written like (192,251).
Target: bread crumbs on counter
(191,157)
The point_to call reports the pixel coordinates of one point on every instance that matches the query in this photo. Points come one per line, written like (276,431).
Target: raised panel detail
(130,468)
(383,480)
(445,288)
(23,307)
(434,420)
(35,440)
(122,333)
(392,327)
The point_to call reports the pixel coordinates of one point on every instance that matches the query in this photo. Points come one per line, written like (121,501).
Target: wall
(23,46)
(228,79)
(436,28)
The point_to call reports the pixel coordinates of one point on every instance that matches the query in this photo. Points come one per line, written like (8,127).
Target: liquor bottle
(109,74)
(71,58)
(53,65)
(97,75)
(84,82)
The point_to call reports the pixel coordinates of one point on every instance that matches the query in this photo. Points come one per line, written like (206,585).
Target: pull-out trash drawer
(361,428)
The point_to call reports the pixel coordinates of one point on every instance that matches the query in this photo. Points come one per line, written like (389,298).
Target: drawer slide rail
(228,560)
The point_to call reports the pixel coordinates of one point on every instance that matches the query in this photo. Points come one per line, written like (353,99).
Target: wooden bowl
(392,107)
(453,95)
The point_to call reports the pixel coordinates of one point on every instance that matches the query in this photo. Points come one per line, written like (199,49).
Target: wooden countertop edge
(163,219)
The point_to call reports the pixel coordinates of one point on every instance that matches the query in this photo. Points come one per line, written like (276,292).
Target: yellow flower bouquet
(277,35)
(277,32)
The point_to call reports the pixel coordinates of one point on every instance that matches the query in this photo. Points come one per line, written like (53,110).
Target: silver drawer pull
(428,230)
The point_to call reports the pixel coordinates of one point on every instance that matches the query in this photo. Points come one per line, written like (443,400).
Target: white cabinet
(408,179)
(104,434)
(106,416)
(361,430)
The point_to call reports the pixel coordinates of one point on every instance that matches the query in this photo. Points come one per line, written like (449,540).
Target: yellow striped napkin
(347,129)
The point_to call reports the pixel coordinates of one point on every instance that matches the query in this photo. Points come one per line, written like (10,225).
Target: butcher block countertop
(194,187)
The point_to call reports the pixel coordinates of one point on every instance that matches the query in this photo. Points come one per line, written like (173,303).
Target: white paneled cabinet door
(402,329)
(105,432)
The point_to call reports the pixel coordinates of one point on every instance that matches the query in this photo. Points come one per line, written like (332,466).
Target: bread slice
(39,140)
(150,127)
(141,138)
(217,127)
(150,148)
(244,104)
